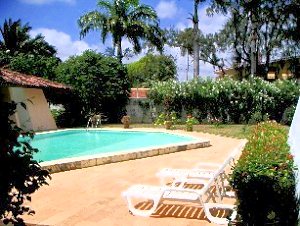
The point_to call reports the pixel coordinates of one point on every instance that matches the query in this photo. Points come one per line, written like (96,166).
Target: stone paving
(92,196)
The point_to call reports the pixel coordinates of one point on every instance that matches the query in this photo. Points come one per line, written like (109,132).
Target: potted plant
(190,121)
(168,124)
(126,121)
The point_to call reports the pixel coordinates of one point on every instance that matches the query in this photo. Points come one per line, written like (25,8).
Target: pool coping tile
(67,164)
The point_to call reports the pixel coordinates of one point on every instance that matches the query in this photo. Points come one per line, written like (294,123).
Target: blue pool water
(75,143)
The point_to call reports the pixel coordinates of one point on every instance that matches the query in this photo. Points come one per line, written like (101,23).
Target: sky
(56,20)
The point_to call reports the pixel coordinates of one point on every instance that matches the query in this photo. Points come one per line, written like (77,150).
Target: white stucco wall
(37,115)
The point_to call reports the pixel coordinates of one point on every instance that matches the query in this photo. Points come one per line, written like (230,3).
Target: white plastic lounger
(203,171)
(157,194)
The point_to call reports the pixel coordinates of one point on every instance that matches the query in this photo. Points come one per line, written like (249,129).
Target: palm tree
(16,39)
(185,41)
(196,43)
(14,35)
(124,19)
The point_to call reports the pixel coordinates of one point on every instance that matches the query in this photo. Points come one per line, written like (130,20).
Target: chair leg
(219,220)
(142,213)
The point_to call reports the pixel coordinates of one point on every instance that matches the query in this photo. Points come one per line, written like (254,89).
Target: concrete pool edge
(101,159)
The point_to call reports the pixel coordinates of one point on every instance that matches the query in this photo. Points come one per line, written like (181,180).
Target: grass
(229,130)
(238,131)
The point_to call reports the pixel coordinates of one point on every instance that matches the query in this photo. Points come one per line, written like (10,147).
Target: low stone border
(95,160)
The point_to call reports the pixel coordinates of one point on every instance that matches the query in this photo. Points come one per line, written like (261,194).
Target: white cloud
(63,42)
(166,9)
(207,24)
(42,2)
(210,24)
(206,70)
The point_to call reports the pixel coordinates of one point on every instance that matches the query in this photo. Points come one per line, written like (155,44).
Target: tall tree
(16,39)
(151,68)
(124,18)
(14,35)
(20,52)
(195,41)
(99,82)
(261,30)
(210,45)
(217,6)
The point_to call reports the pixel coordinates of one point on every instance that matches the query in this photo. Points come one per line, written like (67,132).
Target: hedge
(264,178)
(227,100)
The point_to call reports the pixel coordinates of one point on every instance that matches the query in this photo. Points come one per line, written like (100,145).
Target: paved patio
(92,196)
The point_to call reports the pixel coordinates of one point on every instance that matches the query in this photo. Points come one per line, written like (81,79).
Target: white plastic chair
(157,194)
(202,172)
(210,176)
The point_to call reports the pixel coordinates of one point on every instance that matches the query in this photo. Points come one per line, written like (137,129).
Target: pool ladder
(95,121)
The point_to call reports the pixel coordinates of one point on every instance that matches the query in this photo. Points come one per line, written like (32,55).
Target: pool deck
(92,196)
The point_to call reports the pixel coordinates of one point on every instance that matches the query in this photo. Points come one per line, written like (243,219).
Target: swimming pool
(75,143)
(72,149)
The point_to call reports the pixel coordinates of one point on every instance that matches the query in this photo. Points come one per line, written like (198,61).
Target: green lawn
(238,131)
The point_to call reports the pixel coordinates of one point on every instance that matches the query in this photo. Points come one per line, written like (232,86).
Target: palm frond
(143,12)
(134,40)
(105,4)
(93,20)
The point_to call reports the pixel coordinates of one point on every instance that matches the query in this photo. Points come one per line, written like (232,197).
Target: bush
(20,174)
(288,115)
(151,68)
(264,178)
(99,83)
(226,99)
(164,117)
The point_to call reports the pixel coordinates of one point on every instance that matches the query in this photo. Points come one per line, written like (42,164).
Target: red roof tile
(139,92)
(19,79)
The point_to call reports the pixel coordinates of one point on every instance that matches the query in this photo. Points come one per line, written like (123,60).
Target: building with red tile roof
(14,78)
(28,89)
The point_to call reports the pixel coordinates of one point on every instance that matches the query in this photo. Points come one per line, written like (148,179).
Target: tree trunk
(196,43)
(119,49)
(253,56)
(187,67)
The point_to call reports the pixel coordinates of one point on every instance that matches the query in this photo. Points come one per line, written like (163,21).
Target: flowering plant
(190,121)
(164,117)
(167,119)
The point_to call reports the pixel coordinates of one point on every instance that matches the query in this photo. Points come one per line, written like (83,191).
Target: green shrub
(163,117)
(264,178)
(20,174)
(227,100)
(257,117)
(98,82)
(288,115)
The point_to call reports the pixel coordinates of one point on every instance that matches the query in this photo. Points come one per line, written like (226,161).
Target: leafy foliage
(190,121)
(125,18)
(264,178)
(20,52)
(20,174)
(16,39)
(228,100)
(210,45)
(288,115)
(164,117)
(99,83)
(262,30)
(35,64)
(151,68)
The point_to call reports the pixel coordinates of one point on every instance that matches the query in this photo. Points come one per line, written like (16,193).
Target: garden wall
(140,111)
